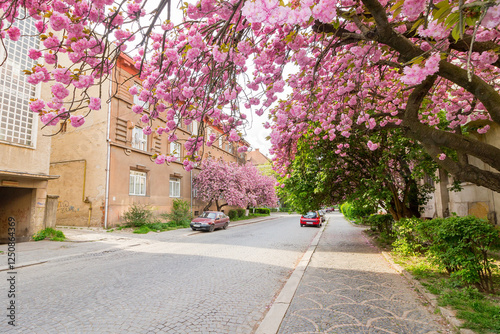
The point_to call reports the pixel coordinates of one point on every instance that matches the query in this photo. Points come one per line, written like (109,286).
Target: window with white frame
(17,121)
(175,149)
(194,127)
(139,139)
(137,185)
(143,104)
(175,187)
(220,142)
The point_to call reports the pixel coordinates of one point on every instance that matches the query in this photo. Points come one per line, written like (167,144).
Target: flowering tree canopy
(427,68)
(327,172)
(226,183)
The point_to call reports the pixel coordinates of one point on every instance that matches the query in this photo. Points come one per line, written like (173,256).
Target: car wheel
(301,225)
(212,228)
(225,226)
(193,228)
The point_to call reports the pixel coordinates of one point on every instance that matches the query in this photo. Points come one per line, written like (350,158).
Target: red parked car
(312,218)
(209,221)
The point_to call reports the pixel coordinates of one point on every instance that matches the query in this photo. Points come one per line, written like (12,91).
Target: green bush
(356,210)
(180,214)
(461,245)
(383,223)
(408,241)
(263,210)
(138,215)
(232,214)
(50,233)
(241,212)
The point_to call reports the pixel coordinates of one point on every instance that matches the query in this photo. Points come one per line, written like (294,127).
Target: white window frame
(139,139)
(194,127)
(221,144)
(175,149)
(137,183)
(175,187)
(138,102)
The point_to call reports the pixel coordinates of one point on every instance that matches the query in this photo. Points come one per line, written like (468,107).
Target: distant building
(24,150)
(106,165)
(259,160)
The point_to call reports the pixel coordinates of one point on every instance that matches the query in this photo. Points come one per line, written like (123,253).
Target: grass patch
(159,227)
(49,233)
(479,311)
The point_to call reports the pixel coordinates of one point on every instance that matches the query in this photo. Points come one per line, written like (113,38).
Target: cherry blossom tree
(225,183)
(389,175)
(429,69)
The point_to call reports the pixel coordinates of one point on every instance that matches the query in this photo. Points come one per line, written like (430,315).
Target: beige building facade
(106,165)
(24,146)
(471,200)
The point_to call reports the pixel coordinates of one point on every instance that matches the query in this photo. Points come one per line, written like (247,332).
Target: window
(17,121)
(137,184)
(143,104)
(220,141)
(175,187)
(139,139)
(194,128)
(175,149)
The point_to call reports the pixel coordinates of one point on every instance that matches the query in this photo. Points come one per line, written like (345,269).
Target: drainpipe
(191,190)
(108,158)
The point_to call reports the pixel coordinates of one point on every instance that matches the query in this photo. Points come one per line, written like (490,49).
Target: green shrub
(263,210)
(241,212)
(232,214)
(356,210)
(180,214)
(407,238)
(138,215)
(50,233)
(461,245)
(383,223)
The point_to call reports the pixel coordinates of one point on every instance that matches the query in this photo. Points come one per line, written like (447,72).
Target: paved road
(349,287)
(178,282)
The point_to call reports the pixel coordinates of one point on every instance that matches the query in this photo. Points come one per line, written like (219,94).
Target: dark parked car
(312,218)
(209,221)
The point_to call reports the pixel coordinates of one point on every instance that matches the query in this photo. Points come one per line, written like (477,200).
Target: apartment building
(24,146)
(106,165)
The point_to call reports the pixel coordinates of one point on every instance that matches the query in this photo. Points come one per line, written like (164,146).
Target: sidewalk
(347,286)
(94,240)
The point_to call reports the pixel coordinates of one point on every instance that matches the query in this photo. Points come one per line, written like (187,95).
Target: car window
(311,214)
(210,215)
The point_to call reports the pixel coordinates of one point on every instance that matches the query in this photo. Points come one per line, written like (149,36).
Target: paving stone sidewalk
(349,287)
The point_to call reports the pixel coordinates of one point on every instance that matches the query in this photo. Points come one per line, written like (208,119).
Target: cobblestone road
(348,287)
(220,282)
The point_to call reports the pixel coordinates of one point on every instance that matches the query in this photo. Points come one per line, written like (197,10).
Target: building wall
(471,200)
(78,156)
(24,148)
(126,158)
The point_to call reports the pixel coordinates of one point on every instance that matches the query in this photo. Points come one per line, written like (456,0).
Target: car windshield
(210,215)
(311,214)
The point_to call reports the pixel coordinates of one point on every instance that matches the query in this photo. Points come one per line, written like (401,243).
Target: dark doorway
(16,203)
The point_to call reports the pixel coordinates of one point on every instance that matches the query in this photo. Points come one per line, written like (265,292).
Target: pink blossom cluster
(234,184)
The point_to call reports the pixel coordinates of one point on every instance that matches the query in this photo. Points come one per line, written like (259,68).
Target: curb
(272,320)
